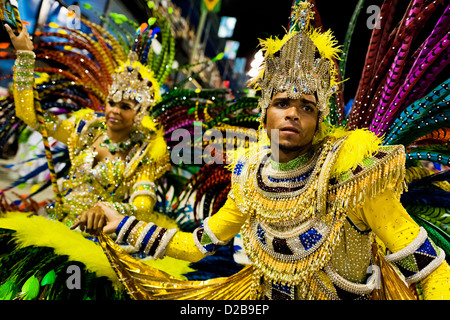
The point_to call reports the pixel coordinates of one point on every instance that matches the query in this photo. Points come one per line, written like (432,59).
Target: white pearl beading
(409,250)
(124,229)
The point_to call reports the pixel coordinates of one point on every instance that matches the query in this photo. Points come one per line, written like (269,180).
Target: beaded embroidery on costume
(298,217)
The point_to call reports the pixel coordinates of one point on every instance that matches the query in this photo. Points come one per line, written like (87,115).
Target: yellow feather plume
(273,44)
(80,114)
(158,147)
(38,231)
(328,130)
(149,123)
(326,43)
(359,144)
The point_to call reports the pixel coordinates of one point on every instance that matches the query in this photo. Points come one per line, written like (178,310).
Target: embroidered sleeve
(423,261)
(23,87)
(205,240)
(413,252)
(156,242)
(419,259)
(145,237)
(220,228)
(143,191)
(59,129)
(143,195)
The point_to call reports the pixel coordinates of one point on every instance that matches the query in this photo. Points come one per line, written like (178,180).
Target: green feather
(49,278)
(30,288)
(8,290)
(348,37)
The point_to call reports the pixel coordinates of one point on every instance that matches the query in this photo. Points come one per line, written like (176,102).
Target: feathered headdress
(134,79)
(301,62)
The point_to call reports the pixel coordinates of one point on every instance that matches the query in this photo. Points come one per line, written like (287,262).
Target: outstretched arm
(142,197)
(23,88)
(24,76)
(156,241)
(408,242)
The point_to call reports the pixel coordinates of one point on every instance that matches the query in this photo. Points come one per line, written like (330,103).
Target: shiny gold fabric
(147,283)
(391,285)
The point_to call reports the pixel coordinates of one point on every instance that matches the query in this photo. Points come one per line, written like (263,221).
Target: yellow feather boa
(359,144)
(39,231)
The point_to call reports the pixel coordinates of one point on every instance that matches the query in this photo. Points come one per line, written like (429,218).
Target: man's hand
(22,41)
(99,218)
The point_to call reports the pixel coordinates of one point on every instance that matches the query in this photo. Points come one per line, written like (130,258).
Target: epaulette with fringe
(384,169)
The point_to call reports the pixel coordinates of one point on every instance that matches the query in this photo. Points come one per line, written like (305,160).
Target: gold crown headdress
(135,82)
(299,63)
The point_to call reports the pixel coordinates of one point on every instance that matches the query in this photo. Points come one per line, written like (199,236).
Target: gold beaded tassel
(291,271)
(256,287)
(388,173)
(283,209)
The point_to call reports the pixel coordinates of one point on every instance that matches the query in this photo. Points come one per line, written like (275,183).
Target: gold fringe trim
(144,282)
(387,173)
(299,272)
(329,203)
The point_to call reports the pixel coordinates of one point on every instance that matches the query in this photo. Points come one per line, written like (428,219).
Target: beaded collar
(279,178)
(290,211)
(293,164)
(123,146)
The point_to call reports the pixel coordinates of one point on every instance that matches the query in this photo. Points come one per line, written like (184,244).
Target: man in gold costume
(309,209)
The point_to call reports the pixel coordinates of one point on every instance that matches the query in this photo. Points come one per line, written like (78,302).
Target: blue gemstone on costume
(238,168)
(261,234)
(427,248)
(310,238)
